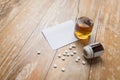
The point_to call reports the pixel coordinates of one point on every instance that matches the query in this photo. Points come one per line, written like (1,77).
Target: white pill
(78,57)
(76,60)
(55,66)
(83,62)
(64,54)
(68,54)
(63,69)
(66,51)
(71,54)
(73,46)
(63,58)
(74,52)
(59,55)
(70,48)
(38,52)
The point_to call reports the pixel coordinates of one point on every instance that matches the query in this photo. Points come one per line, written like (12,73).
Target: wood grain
(75,71)
(21,23)
(44,60)
(15,35)
(9,9)
(108,66)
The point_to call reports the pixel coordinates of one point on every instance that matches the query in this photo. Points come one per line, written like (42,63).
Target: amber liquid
(82,31)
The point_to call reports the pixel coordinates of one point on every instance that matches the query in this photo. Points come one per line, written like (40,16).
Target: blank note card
(60,35)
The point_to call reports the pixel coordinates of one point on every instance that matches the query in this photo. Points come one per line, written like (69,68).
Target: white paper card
(60,35)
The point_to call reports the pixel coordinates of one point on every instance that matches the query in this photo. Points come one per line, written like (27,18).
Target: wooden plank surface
(9,9)
(21,23)
(75,71)
(108,66)
(15,35)
(40,63)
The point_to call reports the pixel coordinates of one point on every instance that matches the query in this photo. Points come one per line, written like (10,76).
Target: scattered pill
(63,69)
(59,56)
(78,57)
(68,54)
(55,66)
(38,52)
(83,62)
(66,51)
(74,52)
(70,48)
(76,60)
(73,46)
(64,54)
(63,58)
(71,54)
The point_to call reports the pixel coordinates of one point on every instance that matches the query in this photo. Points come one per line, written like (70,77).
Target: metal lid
(88,53)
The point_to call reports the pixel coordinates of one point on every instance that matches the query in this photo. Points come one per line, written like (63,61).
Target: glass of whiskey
(83,27)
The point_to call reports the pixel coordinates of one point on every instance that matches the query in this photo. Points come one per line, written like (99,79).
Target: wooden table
(21,22)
